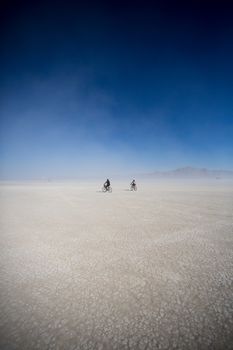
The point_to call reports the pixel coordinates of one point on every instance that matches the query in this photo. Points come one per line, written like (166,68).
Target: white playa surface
(81,269)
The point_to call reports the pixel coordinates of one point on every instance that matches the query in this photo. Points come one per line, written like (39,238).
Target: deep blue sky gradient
(115,87)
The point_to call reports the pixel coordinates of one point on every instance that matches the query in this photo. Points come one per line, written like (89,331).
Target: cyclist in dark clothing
(133,183)
(107,184)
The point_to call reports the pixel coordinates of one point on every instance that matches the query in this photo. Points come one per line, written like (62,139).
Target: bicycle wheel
(104,189)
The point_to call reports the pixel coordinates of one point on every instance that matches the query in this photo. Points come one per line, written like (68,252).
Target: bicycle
(133,188)
(107,189)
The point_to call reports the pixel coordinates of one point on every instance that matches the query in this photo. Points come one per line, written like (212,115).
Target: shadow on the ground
(126,189)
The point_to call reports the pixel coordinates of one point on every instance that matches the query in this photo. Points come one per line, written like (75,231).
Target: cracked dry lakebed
(82,269)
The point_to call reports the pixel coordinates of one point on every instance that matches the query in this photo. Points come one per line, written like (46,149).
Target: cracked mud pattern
(81,269)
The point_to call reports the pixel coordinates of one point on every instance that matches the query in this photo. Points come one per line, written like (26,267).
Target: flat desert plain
(82,269)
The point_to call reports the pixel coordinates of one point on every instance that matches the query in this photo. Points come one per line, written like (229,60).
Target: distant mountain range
(190,172)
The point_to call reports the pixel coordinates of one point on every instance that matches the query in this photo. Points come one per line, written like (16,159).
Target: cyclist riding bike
(107,184)
(133,185)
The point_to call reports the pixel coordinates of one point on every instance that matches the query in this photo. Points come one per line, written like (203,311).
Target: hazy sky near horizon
(115,87)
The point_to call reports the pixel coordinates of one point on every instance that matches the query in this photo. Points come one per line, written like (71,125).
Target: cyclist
(133,184)
(107,184)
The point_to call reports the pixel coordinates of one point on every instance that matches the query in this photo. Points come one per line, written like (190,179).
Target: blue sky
(104,89)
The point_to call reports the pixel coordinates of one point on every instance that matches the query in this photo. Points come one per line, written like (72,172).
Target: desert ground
(82,269)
